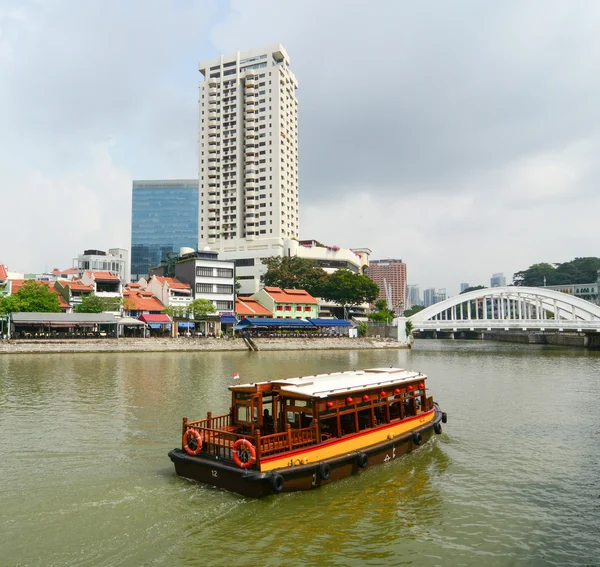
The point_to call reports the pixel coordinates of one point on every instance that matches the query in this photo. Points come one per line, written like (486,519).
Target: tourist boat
(301,433)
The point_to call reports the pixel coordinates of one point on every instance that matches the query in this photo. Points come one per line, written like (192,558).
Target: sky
(460,136)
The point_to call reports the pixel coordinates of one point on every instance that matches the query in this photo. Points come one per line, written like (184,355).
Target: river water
(513,480)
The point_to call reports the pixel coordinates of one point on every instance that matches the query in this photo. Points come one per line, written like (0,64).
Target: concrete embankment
(190,345)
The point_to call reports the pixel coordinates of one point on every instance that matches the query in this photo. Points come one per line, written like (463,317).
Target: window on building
(221,288)
(224,272)
(203,271)
(204,288)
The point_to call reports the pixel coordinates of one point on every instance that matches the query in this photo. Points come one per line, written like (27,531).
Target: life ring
(277,483)
(196,440)
(324,471)
(248,453)
(362,460)
(417,438)
(444,417)
(437,427)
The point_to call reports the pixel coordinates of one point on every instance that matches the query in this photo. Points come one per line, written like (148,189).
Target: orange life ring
(197,438)
(249,453)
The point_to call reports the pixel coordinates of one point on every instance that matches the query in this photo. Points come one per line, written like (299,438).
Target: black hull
(256,484)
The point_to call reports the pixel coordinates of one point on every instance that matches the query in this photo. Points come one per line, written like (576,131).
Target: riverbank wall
(194,344)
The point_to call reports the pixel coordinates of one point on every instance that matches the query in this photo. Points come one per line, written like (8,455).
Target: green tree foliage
(473,288)
(93,304)
(577,271)
(362,329)
(382,314)
(33,296)
(414,309)
(200,308)
(347,288)
(291,272)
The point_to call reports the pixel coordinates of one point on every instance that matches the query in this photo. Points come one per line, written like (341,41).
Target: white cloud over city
(459,136)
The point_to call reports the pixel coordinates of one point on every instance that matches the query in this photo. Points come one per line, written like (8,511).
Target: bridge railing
(508,324)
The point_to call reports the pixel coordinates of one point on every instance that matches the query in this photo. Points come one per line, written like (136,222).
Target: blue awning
(155,325)
(273,323)
(330,323)
(228,319)
(185,325)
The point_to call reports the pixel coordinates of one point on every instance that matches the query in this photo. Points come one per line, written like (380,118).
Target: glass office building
(164,218)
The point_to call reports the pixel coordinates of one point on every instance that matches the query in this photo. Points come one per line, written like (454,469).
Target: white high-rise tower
(248,162)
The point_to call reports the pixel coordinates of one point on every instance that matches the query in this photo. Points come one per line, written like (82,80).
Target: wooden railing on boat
(218,437)
(286,441)
(213,422)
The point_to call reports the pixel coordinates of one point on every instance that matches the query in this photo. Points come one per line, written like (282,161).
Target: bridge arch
(500,306)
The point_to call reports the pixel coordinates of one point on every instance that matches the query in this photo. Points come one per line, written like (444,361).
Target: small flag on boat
(236,376)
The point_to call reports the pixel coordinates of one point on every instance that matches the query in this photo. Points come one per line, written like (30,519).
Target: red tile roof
(77,285)
(249,306)
(103,276)
(290,295)
(140,301)
(18,284)
(174,283)
(3,272)
(66,272)
(132,285)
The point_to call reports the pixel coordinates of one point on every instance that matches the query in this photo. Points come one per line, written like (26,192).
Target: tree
(535,275)
(577,271)
(347,289)
(201,308)
(93,304)
(382,313)
(414,309)
(33,296)
(292,272)
(472,288)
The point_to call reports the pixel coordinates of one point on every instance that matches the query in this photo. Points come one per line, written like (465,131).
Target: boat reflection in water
(300,433)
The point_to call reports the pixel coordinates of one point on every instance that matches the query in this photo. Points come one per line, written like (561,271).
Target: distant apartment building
(497,280)
(248,157)
(440,295)
(390,276)
(464,286)
(429,297)
(414,295)
(116,260)
(164,218)
(432,296)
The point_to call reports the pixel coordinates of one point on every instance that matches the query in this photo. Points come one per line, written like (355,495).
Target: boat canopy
(337,383)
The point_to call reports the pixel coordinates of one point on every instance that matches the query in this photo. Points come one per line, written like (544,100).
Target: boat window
(243,413)
(347,423)
(328,428)
(364,419)
(242,396)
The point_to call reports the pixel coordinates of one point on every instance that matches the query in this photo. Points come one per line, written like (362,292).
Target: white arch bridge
(510,308)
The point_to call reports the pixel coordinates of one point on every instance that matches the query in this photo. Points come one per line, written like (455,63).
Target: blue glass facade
(164,218)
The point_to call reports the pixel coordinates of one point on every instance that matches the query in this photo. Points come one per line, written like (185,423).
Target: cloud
(459,136)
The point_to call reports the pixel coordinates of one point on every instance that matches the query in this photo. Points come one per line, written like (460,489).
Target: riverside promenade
(193,344)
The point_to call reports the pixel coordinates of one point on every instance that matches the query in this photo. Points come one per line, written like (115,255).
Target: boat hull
(258,484)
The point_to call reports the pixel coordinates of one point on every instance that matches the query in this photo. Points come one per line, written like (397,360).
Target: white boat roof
(325,385)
